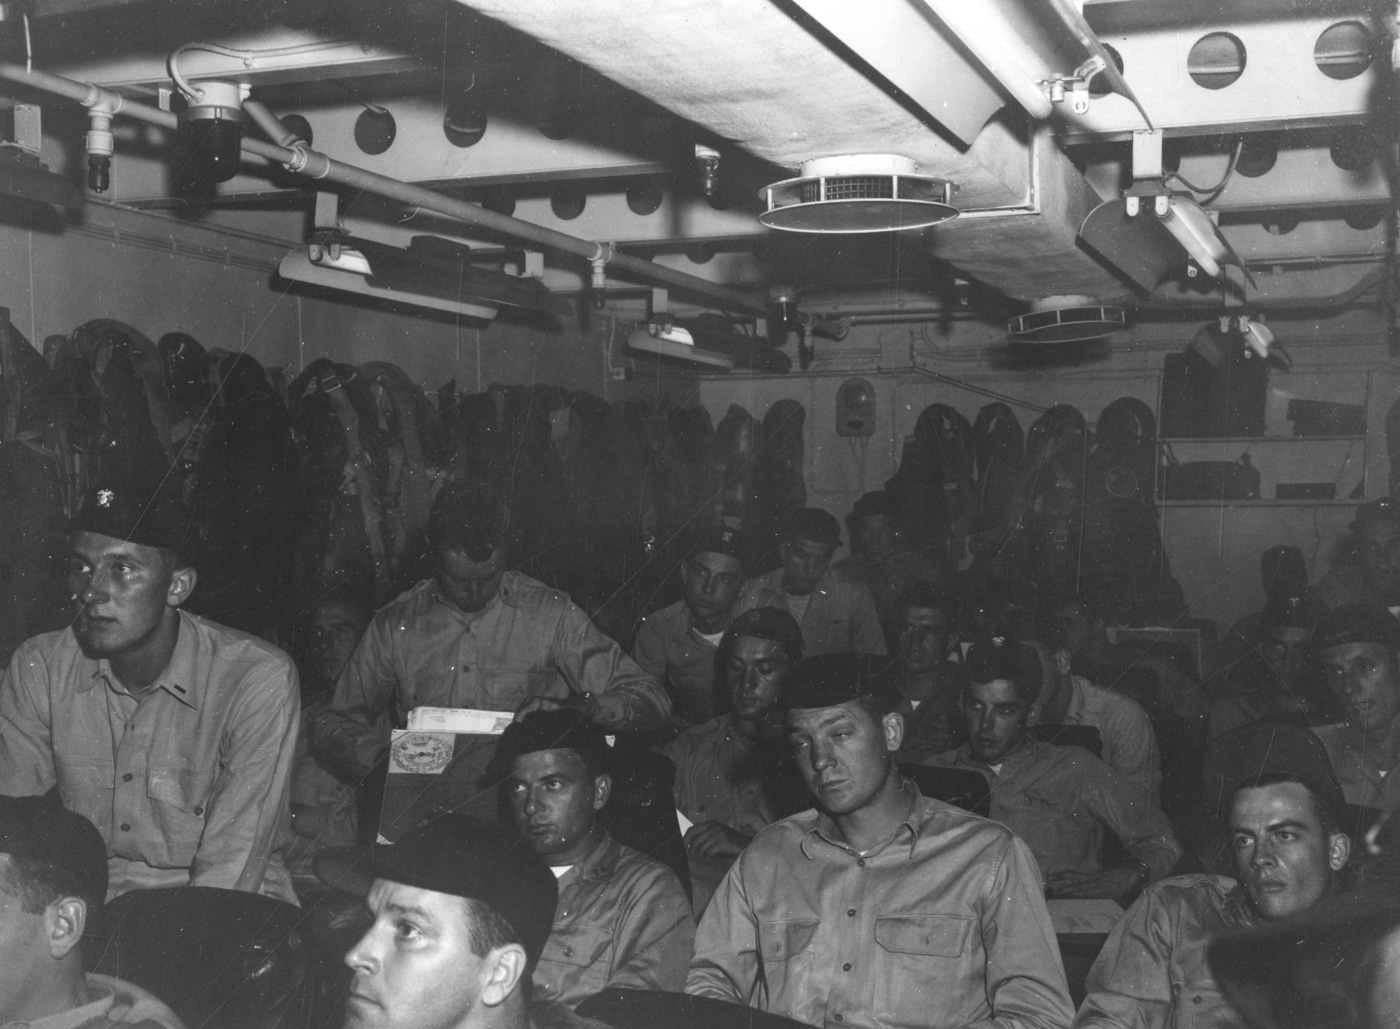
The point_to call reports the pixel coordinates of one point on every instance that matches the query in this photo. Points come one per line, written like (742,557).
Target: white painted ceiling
(601,96)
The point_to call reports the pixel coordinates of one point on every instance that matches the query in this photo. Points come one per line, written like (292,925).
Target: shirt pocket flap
(169,789)
(779,941)
(943,936)
(579,945)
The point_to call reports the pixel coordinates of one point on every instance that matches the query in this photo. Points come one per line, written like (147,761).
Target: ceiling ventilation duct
(857,193)
(1066,319)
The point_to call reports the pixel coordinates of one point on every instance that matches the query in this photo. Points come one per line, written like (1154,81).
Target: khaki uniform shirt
(421,651)
(943,925)
(189,784)
(839,617)
(1363,780)
(108,1003)
(1129,744)
(1152,972)
(623,920)
(1059,799)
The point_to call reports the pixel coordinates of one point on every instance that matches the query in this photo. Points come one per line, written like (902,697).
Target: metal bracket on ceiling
(532,267)
(1075,87)
(328,234)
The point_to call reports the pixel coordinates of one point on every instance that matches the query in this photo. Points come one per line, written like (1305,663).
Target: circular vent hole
(299,126)
(464,121)
(1363,218)
(1354,148)
(1343,51)
(1216,61)
(375,131)
(568,203)
(1258,156)
(1281,225)
(644,197)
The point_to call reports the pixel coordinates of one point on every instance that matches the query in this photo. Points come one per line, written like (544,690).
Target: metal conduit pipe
(319,166)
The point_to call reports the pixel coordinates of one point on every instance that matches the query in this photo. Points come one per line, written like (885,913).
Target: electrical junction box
(855,408)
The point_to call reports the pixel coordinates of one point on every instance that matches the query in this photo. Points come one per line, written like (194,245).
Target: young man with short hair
(677,644)
(477,635)
(1372,576)
(881,562)
(172,734)
(1281,809)
(729,768)
(623,920)
(53,877)
(881,908)
(837,614)
(1359,648)
(1058,799)
(927,670)
(460,911)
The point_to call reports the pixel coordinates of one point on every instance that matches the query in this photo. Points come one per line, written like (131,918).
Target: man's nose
(822,755)
(1263,855)
(361,956)
(94,589)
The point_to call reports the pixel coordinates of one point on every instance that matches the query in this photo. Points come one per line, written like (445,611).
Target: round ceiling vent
(857,193)
(1066,319)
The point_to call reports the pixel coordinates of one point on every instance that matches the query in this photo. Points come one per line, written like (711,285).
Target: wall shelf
(1263,439)
(1337,502)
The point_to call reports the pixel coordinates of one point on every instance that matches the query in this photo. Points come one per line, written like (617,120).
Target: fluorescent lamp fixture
(346,259)
(676,344)
(26,177)
(1188,222)
(1257,336)
(299,267)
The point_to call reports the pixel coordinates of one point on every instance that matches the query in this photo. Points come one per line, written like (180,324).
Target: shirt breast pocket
(574,962)
(783,941)
(507,688)
(918,952)
(178,804)
(1201,1005)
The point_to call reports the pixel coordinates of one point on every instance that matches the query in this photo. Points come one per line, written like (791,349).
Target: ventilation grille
(1066,324)
(872,193)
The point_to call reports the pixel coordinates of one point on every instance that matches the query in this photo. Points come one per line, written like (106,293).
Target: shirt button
(846,967)
(199,811)
(126,827)
(861,862)
(840,1018)
(126,777)
(851,912)
(1196,999)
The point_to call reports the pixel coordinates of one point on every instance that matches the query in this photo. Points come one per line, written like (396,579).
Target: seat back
(1086,736)
(961,787)
(647,1009)
(641,812)
(221,959)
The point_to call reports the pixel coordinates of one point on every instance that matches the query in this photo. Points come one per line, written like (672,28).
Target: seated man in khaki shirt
(1359,648)
(623,920)
(1282,808)
(881,908)
(172,734)
(1058,799)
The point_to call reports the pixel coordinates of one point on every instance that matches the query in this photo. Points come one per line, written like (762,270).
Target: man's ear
(1033,716)
(602,790)
(182,582)
(64,922)
(893,725)
(1062,660)
(1338,850)
(502,970)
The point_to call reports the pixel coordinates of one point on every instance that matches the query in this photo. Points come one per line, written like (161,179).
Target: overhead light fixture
(348,272)
(675,344)
(857,193)
(1066,319)
(1145,234)
(211,129)
(706,169)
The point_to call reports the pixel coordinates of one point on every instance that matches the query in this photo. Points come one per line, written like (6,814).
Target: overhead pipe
(301,158)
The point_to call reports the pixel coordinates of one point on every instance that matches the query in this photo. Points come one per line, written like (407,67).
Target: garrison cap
(1264,749)
(560,729)
(1358,623)
(835,679)
(812,523)
(726,541)
(767,623)
(150,515)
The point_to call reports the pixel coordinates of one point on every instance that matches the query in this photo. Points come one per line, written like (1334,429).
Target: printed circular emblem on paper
(422,752)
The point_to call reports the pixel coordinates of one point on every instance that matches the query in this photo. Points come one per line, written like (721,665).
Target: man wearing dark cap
(173,735)
(1281,805)
(677,644)
(837,614)
(461,910)
(1359,647)
(477,636)
(623,920)
(53,878)
(928,671)
(881,562)
(881,907)
(727,769)
(1371,575)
